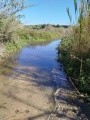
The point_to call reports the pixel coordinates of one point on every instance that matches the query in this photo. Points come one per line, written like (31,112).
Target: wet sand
(25,98)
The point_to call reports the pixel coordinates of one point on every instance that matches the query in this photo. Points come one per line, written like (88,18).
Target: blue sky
(48,12)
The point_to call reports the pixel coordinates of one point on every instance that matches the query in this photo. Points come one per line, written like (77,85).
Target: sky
(48,12)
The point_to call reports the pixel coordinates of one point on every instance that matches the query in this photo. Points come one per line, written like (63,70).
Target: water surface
(28,82)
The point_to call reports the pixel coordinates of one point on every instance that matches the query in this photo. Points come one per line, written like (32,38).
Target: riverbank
(26,38)
(68,103)
(81,83)
(72,65)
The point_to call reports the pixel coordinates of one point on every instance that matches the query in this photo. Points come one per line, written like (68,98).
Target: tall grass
(74,50)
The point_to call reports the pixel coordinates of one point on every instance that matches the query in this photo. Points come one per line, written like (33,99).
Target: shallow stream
(28,82)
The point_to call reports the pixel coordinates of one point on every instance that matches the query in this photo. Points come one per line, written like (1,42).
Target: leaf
(75,5)
(68,12)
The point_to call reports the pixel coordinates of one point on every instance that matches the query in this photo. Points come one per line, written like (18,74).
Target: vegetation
(25,35)
(14,35)
(74,50)
(8,18)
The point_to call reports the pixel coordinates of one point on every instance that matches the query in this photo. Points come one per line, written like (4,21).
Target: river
(28,82)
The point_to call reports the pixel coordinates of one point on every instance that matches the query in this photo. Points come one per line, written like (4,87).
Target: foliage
(74,50)
(25,35)
(7,28)
(11,7)
(8,19)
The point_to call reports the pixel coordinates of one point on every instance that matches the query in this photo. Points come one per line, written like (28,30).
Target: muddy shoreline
(69,105)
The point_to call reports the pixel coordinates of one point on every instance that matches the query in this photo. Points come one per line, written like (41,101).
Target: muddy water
(28,82)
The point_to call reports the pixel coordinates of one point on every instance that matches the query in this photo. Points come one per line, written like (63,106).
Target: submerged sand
(21,98)
(24,96)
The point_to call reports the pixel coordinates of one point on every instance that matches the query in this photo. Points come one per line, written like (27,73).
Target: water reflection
(37,64)
(28,82)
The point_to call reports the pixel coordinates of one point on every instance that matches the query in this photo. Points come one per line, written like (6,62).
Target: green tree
(8,17)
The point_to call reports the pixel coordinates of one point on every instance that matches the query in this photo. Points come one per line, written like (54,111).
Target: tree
(8,17)
(11,7)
